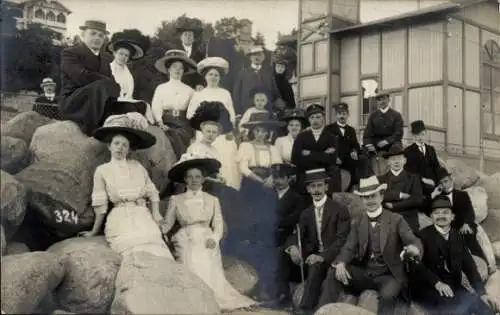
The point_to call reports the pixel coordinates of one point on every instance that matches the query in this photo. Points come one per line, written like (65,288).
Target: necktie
(319,224)
(422,149)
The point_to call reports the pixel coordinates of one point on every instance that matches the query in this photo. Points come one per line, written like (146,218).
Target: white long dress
(200,218)
(227,149)
(129,225)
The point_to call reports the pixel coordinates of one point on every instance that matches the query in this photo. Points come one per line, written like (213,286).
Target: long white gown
(227,149)
(200,218)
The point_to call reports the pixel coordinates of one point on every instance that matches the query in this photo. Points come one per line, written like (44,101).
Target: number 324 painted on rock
(66,216)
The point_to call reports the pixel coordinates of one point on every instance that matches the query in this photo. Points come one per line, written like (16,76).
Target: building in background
(49,13)
(440,60)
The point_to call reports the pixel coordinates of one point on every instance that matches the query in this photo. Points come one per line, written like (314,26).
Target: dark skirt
(180,133)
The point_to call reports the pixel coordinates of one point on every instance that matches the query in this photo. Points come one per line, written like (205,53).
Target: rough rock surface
(424,221)
(14,154)
(463,175)
(479,199)
(23,125)
(242,276)
(26,279)
(91,268)
(15,248)
(483,272)
(493,286)
(3,241)
(351,201)
(12,203)
(491,225)
(485,243)
(496,250)
(492,186)
(148,284)
(342,308)
(259,311)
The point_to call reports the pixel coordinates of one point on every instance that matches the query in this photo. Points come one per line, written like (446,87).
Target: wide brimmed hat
(441,173)
(368,186)
(172,56)
(262,119)
(314,108)
(315,175)
(211,111)
(206,163)
(95,25)
(341,107)
(279,59)
(256,50)
(133,126)
(188,27)
(214,62)
(395,149)
(417,126)
(136,52)
(382,94)
(47,81)
(441,201)
(295,114)
(283,169)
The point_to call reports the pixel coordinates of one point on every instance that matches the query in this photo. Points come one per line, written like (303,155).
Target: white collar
(256,67)
(375,214)
(385,109)
(93,51)
(420,144)
(341,125)
(321,203)
(50,95)
(398,172)
(187,46)
(195,193)
(318,131)
(442,231)
(282,192)
(116,65)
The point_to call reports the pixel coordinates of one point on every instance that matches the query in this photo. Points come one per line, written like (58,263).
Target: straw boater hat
(172,56)
(95,25)
(131,125)
(136,52)
(262,119)
(211,112)
(417,126)
(47,81)
(295,114)
(316,174)
(205,163)
(214,62)
(256,50)
(368,186)
(395,149)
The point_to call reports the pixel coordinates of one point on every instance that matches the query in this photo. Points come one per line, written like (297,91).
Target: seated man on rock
(47,103)
(322,231)
(374,255)
(90,93)
(437,280)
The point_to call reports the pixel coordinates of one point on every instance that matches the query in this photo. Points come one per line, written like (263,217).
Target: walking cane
(300,250)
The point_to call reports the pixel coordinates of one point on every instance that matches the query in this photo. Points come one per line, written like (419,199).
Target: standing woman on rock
(130,225)
(196,243)
(213,69)
(171,99)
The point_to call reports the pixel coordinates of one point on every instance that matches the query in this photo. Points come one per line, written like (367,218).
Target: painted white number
(66,216)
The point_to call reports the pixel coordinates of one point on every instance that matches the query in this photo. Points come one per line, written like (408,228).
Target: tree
(227,27)
(259,39)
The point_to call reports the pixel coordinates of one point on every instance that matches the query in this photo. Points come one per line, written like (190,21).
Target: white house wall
(454,53)
(393,59)
(472,56)
(455,123)
(425,53)
(349,65)
(426,103)
(472,117)
(314,86)
(370,54)
(485,13)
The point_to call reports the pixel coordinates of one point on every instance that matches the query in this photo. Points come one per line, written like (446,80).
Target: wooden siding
(425,53)
(486,36)
(311,9)
(472,66)
(393,59)
(370,53)
(306,58)
(335,88)
(455,124)
(335,54)
(349,64)
(437,139)
(346,9)
(312,86)
(309,30)
(354,109)
(485,13)
(455,51)
(321,56)
(398,104)
(492,149)
(427,104)
(472,124)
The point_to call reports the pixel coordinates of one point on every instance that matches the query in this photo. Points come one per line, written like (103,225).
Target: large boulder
(91,268)
(23,125)
(258,311)
(351,201)
(483,272)
(242,276)
(486,246)
(342,308)
(496,250)
(368,300)
(491,225)
(149,284)
(463,175)
(424,220)
(15,248)
(27,278)
(14,154)
(493,286)
(492,186)
(3,241)
(479,199)
(12,203)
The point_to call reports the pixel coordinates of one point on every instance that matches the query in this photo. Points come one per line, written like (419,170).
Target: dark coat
(423,166)
(44,100)
(348,142)
(463,209)
(336,224)
(394,235)
(290,207)
(383,126)
(404,183)
(225,48)
(285,90)
(197,54)
(80,67)
(318,158)
(436,250)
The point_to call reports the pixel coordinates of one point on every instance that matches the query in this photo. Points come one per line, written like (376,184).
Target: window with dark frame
(490,88)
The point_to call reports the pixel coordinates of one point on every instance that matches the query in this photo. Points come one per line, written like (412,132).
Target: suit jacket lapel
(363,235)
(326,217)
(385,226)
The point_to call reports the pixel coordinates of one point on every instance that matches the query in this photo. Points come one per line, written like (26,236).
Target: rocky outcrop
(12,203)
(491,225)
(492,186)
(242,276)
(463,175)
(15,248)
(479,199)
(23,125)
(342,308)
(14,154)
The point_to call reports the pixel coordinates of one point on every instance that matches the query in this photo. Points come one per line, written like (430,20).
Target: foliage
(259,39)
(228,27)
(134,35)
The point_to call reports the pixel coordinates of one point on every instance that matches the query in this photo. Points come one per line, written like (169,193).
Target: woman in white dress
(212,69)
(130,225)
(196,243)
(295,122)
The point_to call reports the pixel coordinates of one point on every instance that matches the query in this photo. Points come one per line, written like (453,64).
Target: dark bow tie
(375,219)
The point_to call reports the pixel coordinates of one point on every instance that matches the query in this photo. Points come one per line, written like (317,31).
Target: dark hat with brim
(417,126)
(341,107)
(131,125)
(188,28)
(206,164)
(262,119)
(283,169)
(295,114)
(442,173)
(395,149)
(172,56)
(211,112)
(95,25)
(136,52)
(440,202)
(382,95)
(314,108)
(314,175)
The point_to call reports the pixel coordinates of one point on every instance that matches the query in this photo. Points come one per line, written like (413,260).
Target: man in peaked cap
(315,148)
(47,103)
(437,280)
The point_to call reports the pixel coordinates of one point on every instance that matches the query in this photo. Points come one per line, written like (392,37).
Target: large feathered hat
(133,40)
(214,112)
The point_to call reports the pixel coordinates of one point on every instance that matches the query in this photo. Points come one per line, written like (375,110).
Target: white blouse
(211,94)
(251,155)
(124,78)
(172,95)
(284,146)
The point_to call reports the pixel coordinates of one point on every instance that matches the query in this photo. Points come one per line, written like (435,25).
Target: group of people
(283,165)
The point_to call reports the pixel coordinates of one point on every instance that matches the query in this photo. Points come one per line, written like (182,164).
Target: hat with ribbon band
(204,162)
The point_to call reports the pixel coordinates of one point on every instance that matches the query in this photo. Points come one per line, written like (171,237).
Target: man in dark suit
(437,280)
(464,216)
(315,148)
(48,103)
(323,229)
(421,158)
(349,148)
(189,42)
(372,257)
(404,190)
(87,85)
(384,126)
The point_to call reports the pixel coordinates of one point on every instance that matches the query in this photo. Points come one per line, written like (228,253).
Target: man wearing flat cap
(47,103)
(384,126)
(437,280)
